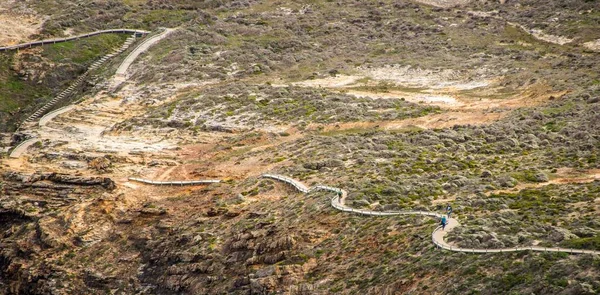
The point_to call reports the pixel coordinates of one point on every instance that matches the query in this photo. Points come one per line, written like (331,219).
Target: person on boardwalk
(444,222)
(448,210)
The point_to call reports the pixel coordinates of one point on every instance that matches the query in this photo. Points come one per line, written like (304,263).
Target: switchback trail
(338,202)
(83,115)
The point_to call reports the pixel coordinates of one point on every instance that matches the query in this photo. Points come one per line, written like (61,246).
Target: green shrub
(591,243)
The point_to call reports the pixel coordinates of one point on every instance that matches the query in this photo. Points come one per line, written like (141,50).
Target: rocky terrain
(491,106)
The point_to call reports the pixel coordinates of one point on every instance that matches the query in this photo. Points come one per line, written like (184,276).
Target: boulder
(486,174)
(540,176)
(100,164)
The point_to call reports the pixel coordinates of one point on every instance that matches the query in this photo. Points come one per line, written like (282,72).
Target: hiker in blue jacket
(444,222)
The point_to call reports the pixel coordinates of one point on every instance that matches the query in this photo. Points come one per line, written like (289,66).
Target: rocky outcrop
(38,193)
(34,180)
(30,228)
(100,164)
(260,247)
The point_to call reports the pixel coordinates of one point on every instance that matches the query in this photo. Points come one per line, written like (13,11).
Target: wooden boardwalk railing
(175,182)
(22,147)
(81,78)
(17,151)
(437,235)
(59,40)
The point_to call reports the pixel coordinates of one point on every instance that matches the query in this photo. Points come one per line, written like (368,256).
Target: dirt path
(535,33)
(443,120)
(563,176)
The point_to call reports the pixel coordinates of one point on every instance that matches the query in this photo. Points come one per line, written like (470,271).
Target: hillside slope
(490,106)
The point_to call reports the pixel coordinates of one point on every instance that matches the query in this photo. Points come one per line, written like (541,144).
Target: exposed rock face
(256,247)
(247,262)
(39,192)
(29,227)
(100,164)
(57,179)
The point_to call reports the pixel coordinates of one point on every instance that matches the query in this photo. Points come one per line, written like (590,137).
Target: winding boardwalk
(59,40)
(22,147)
(175,182)
(80,79)
(119,77)
(51,115)
(338,202)
(122,70)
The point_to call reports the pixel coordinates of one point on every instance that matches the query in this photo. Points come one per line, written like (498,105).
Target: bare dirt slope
(18,23)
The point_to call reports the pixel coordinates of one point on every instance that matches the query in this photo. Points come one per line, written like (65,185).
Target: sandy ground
(17,24)
(407,76)
(562,176)
(444,3)
(86,130)
(463,101)
(593,45)
(413,77)
(337,81)
(443,120)
(540,35)
(17,28)
(444,88)
(87,126)
(441,100)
